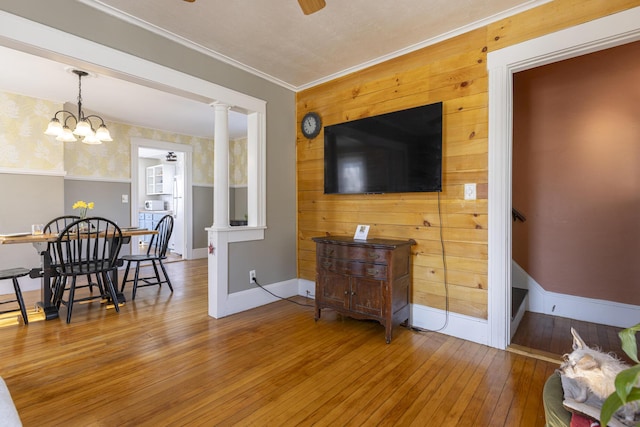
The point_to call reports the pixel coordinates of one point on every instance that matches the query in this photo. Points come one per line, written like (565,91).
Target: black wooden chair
(156,252)
(55,226)
(14,274)
(86,247)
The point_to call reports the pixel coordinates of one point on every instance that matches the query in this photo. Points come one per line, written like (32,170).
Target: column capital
(220,105)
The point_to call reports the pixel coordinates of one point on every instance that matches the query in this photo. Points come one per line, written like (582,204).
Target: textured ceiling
(275,39)
(270,38)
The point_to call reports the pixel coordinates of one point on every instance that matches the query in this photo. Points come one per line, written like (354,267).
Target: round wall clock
(311,125)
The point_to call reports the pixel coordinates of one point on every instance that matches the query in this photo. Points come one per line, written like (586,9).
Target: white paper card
(361,232)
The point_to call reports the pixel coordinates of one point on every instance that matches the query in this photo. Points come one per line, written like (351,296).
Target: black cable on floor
(282,298)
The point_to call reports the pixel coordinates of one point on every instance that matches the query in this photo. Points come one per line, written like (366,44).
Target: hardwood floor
(163,361)
(551,335)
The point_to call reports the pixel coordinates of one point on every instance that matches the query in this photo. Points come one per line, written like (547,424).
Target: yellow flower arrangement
(83,206)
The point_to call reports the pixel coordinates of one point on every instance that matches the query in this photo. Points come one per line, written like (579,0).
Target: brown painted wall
(576,174)
(454,72)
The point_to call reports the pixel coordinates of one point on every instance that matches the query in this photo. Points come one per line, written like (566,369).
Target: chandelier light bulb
(54,128)
(83,128)
(91,139)
(103,133)
(66,135)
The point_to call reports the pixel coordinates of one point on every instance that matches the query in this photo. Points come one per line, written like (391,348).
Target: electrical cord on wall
(446,284)
(255,280)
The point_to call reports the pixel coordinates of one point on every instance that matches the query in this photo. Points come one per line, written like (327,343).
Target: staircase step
(517,298)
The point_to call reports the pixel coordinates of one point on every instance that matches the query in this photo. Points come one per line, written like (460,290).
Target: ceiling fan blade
(190,1)
(311,6)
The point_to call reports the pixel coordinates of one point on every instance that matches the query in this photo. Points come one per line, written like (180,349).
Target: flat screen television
(398,152)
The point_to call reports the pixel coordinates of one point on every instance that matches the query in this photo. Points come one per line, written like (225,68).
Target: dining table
(46,272)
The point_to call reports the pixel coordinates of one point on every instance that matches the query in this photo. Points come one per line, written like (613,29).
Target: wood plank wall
(454,72)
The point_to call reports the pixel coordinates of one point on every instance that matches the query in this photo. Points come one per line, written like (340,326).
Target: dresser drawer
(375,271)
(341,266)
(352,253)
(330,251)
(379,256)
(353,268)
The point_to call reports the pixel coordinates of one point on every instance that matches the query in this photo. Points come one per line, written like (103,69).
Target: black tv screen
(399,152)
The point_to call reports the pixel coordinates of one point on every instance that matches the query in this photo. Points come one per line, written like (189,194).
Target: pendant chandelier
(83,125)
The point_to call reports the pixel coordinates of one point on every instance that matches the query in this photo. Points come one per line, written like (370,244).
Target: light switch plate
(125,198)
(470,191)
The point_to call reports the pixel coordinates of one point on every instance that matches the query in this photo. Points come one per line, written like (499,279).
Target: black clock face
(311,125)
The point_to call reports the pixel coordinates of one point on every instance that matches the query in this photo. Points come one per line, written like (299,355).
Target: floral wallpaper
(23,145)
(114,158)
(238,162)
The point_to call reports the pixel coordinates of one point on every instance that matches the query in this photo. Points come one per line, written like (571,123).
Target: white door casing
(603,33)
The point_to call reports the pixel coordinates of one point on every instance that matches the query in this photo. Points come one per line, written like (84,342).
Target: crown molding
(183,41)
(223,58)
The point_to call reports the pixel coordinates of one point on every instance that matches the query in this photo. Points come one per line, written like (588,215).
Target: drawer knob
(372,271)
(374,255)
(353,293)
(346,292)
(326,264)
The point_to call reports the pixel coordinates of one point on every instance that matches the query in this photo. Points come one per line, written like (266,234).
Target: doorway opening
(609,31)
(161,185)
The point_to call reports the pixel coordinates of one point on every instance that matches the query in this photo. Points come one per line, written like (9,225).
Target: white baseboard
(200,253)
(574,307)
(453,324)
(256,297)
(306,288)
(456,325)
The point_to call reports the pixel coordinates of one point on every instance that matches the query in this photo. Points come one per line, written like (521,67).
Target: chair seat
(13,272)
(82,269)
(141,257)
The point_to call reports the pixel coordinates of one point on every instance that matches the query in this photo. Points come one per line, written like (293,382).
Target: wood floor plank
(425,378)
(163,361)
(560,339)
(438,409)
(507,394)
(559,342)
(455,416)
(480,411)
(425,400)
(533,409)
(384,374)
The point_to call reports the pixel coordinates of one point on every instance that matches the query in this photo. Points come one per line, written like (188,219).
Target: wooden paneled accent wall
(451,233)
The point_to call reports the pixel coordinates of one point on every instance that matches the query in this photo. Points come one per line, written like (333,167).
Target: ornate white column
(221,167)
(218,234)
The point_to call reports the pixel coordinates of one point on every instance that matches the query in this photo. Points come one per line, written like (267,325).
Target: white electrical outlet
(470,191)
(252,275)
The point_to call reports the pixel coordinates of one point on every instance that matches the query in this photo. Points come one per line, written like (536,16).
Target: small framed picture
(361,232)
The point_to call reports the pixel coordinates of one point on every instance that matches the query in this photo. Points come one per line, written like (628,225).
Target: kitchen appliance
(154,205)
